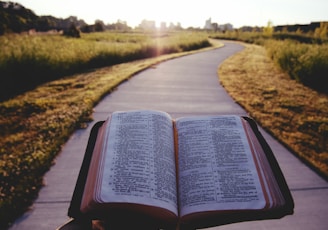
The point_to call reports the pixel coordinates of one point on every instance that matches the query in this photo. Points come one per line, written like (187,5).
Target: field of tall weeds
(304,57)
(29,60)
(306,63)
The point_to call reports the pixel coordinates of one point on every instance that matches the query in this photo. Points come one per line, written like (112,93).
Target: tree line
(15,18)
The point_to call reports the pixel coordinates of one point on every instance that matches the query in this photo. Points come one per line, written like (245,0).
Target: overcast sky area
(190,13)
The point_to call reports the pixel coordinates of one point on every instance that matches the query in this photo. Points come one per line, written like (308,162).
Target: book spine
(74,208)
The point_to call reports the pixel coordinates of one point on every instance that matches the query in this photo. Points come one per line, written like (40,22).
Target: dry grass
(296,115)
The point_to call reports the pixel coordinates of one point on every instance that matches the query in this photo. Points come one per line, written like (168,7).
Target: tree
(322,31)
(268,30)
(72,31)
(99,26)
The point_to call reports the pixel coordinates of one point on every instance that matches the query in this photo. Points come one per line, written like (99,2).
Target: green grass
(34,125)
(26,61)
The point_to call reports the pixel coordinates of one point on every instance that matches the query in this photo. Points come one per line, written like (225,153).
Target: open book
(145,167)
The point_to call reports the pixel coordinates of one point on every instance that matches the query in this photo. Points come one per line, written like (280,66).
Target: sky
(189,13)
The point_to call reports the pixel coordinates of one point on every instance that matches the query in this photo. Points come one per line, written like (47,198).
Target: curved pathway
(182,86)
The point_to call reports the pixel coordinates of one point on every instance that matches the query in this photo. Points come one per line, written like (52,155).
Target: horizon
(239,13)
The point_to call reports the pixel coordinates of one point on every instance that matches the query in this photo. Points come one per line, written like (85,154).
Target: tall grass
(307,63)
(249,37)
(303,56)
(27,61)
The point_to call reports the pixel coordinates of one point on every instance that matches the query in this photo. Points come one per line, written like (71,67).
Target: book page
(216,167)
(139,163)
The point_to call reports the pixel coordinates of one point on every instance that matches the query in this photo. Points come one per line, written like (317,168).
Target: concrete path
(183,86)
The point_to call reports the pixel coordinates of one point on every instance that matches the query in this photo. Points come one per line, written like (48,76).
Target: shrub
(313,68)
(72,32)
(307,63)
(302,38)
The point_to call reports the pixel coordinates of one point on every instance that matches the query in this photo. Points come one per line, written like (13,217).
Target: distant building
(163,26)
(208,24)
(215,26)
(225,27)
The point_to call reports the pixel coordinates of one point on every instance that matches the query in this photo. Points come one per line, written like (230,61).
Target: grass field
(27,61)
